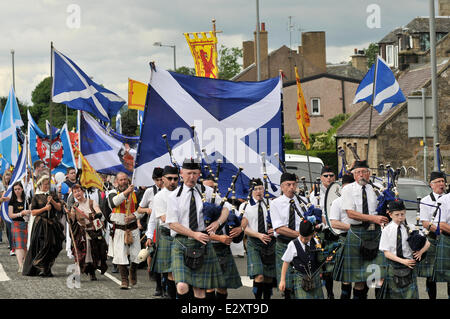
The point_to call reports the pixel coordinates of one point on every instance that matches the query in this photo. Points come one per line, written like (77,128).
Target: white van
(298,164)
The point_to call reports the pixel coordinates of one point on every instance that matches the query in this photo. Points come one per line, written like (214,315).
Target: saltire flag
(62,153)
(89,177)
(10,121)
(234,121)
(302,115)
(4,165)
(74,88)
(107,151)
(387,90)
(49,127)
(137,92)
(20,171)
(204,52)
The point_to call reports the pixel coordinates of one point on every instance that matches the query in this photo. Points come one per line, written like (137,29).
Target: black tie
(399,242)
(365,205)
(193,225)
(261,224)
(291,224)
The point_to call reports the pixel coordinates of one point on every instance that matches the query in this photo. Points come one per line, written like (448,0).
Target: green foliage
(129,122)
(288,142)
(329,157)
(228,62)
(186,70)
(371,54)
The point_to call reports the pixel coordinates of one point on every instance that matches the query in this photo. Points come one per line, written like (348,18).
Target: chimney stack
(314,49)
(263,43)
(359,60)
(444,8)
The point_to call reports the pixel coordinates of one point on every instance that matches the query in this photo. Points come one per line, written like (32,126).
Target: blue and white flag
(234,121)
(54,130)
(387,90)
(107,151)
(19,172)
(11,120)
(62,153)
(74,88)
(119,123)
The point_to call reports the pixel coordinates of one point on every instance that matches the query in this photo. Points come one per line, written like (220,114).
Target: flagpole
(13,74)
(371,107)
(51,105)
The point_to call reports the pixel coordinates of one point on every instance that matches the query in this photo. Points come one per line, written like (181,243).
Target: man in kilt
(260,243)
(361,245)
(441,269)
(401,275)
(162,263)
(185,219)
(286,216)
(427,215)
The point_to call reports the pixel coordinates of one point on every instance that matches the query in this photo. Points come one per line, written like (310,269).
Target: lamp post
(159,44)
(13,76)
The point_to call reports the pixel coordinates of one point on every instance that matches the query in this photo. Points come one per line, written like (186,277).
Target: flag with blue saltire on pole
(234,122)
(20,171)
(387,90)
(54,130)
(11,120)
(74,88)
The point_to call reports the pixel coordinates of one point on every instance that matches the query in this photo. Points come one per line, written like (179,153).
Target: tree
(129,122)
(371,54)
(228,62)
(186,70)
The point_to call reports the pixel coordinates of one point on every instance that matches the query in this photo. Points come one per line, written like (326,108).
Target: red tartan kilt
(19,234)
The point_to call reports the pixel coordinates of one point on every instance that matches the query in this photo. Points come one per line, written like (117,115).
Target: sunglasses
(172,178)
(328,175)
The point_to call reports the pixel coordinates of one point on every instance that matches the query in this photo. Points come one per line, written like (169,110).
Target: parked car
(298,164)
(411,189)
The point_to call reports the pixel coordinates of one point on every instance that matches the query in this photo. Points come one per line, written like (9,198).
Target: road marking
(246,281)
(111,277)
(3,275)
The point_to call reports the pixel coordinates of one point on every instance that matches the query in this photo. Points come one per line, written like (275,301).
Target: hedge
(329,157)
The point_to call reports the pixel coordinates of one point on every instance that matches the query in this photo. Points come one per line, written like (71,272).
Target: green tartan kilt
(389,289)
(255,266)
(329,266)
(163,262)
(350,266)
(441,271)
(280,248)
(316,293)
(426,265)
(206,277)
(228,266)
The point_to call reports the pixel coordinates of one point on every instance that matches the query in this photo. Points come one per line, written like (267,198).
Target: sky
(112,40)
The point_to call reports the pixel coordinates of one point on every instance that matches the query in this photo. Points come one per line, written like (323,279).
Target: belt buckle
(371,227)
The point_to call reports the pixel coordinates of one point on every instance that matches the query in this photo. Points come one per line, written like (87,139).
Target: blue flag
(234,122)
(387,90)
(19,172)
(11,120)
(74,88)
(107,151)
(54,130)
(62,153)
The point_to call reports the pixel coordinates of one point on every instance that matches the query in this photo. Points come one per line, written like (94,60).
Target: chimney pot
(263,26)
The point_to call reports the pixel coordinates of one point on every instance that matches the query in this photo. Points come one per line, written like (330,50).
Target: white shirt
(151,226)
(352,200)
(178,207)
(160,206)
(291,250)
(313,198)
(337,213)
(147,198)
(445,210)
(426,212)
(279,212)
(388,240)
(251,213)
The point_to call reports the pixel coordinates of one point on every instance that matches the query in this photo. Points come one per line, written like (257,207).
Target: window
(390,55)
(395,56)
(315,106)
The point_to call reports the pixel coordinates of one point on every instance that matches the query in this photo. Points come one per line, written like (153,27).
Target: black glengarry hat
(347,178)
(170,170)
(360,164)
(288,177)
(157,172)
(395,205)
(191,163)
(436,175)
(326,169)
(306,228)
(257,182)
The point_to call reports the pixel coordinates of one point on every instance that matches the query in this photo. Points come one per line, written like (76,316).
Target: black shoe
(331,296)
(46,274)
(158,292)
(93,277)
(115,269)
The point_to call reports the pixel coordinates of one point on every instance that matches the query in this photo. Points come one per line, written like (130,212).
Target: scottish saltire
(234,121)
(61,147)
(20,171)
(387,90)
(119,123)
(140,118)
(204,52)
(89,177)
(302,114)
(137,92)
(49,127)
(74,88)
(4,165)
(11,120)
(107,151)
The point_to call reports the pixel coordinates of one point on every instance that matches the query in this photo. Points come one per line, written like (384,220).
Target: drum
(333,192)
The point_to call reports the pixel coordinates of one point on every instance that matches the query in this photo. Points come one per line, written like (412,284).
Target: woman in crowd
(5,182)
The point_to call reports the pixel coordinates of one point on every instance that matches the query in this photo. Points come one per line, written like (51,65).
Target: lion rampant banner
(204,52)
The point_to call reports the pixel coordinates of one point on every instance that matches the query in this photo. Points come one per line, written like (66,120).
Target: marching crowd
(169,227)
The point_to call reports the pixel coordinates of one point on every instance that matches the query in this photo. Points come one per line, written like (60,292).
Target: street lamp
(159,44)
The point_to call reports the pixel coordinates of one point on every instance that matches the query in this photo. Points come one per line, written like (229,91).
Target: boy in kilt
(441,269)
(185,219)
(163,262)
(427,215)
(286,217)
(401,277)
(260,240)
(361,245)
(305,259)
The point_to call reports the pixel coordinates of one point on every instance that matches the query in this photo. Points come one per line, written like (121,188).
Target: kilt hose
(280,248)
(316,293)
(228,266)
(208,276)
(426,265)
(163,261)
(19,235)
(441,271)
(350,265)
(389,290)
(255,265)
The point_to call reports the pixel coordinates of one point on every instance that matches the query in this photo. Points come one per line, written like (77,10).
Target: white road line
(246,281)
(111,277)
(3,275)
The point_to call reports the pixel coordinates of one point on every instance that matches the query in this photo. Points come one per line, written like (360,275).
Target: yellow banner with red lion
(204,52)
